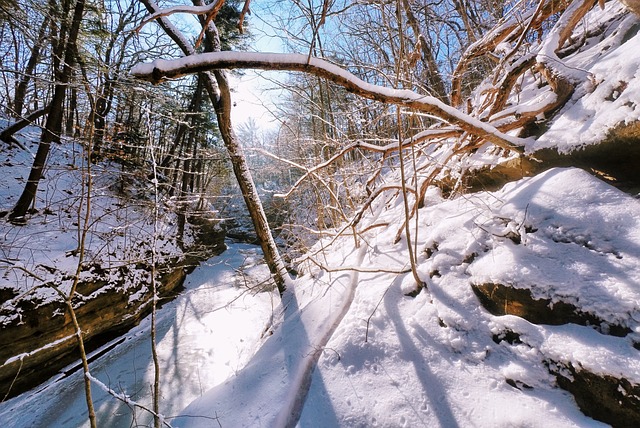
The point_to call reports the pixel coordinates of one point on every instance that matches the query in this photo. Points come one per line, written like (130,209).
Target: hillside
(475,284)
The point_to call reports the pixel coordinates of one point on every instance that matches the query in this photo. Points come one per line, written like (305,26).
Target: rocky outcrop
(606,398)
(500,299)
(615,160)
(42,339)
(612,400)
(38,337)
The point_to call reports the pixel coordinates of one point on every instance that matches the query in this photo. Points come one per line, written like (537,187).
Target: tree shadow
(431,384)
(126,368)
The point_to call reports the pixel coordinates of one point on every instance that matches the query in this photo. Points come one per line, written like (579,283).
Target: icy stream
(205,335)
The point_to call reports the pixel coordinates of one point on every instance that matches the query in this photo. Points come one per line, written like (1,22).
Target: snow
(346,345)
(286,61)
(48,248)
(205,336)
(431,361)
(349,348)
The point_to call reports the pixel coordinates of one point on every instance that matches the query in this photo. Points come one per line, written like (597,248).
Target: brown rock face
(615,160)
(612,400)
(40,342)
(505,300)
(604,398)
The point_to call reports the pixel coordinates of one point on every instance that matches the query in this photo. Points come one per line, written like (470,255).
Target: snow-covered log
(160,70)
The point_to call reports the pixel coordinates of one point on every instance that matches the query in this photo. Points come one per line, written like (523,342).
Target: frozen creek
(216,322)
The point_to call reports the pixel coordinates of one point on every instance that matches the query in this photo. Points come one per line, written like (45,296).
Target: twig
(126,399)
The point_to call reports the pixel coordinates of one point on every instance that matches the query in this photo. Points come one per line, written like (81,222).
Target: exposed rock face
(500,299)
(616,160)
(41,340)
(604,398)
(615,401)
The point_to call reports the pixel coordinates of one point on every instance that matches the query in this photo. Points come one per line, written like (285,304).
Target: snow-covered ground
(120,228)
(351,349)
(205,336)
(431,360)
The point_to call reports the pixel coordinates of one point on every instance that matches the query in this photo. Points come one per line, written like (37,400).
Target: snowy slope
(432,360)
(441,358)
(350,348)
(121,218)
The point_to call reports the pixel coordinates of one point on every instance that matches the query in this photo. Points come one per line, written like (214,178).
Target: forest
(438,223)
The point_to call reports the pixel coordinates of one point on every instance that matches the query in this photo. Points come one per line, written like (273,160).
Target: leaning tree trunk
(248,188)
(53,126)
(220,95)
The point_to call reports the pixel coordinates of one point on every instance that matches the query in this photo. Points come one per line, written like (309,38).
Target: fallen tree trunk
(7,134)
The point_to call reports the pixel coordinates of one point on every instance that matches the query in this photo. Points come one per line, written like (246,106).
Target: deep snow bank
(438,359)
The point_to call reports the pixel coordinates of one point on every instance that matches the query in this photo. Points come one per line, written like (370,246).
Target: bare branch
(160,70)
(193,10)
(510,29)
(245,11)
(307,173)
(126,399)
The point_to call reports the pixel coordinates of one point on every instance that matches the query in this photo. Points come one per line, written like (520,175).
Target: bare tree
(437,130)
(217,86)
(64,58)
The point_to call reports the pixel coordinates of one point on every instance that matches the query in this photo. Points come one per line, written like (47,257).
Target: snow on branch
(557,37)
(126,399)
(209,9)
(159,70)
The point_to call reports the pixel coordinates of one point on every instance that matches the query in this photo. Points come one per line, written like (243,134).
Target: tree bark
(436,84)
(53,127)
(220,95)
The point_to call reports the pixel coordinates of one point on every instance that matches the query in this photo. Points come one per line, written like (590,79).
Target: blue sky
(252,97)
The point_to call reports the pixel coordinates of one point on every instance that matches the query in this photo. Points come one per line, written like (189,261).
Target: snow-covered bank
(351,348)
(39,259)
(437,359)
(206,335)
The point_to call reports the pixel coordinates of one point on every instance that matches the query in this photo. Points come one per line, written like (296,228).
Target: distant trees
(408,85)
(69,74)
(63,48)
